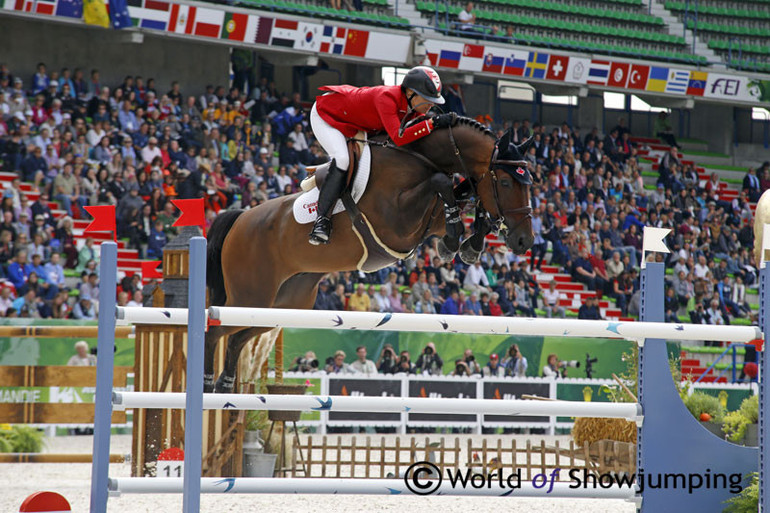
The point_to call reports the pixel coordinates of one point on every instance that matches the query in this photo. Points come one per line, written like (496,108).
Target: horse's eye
(506,183)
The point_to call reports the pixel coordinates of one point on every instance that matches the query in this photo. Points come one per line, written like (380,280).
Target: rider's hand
(444,120)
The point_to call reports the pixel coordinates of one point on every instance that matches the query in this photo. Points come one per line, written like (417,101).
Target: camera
(471,358)
(313,363)
(428,350)
(589,365)
(571,363)
(460,369)
(388,354)
(329,360)
(403,358)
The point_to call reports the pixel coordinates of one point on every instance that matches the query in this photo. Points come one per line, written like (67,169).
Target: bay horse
(261,257)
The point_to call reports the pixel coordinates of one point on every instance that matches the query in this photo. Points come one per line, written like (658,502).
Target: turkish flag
(618,74)
(191,212)
(557,67)
(637,77)
(475,51)
(150,269)
(104,219)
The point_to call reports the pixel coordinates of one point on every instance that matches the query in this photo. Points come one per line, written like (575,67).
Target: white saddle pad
(305,206)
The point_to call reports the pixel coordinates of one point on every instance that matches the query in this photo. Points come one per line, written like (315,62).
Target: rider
(345,110)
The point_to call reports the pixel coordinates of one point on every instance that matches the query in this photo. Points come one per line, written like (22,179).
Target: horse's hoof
(445,253)
(224,385)
(468,253)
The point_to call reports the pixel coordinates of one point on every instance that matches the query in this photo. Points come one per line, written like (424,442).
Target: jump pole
(105,361)
(193,431)
(764,373)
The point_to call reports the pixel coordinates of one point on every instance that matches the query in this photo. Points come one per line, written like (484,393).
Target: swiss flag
(637,77)
(557,67)
(475,51)
(618,74)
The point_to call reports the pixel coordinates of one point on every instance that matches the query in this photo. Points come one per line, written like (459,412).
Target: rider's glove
(444,120)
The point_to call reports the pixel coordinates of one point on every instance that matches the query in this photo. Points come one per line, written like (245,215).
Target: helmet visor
(438,100)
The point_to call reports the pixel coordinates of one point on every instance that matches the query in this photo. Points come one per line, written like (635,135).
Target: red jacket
(369,109)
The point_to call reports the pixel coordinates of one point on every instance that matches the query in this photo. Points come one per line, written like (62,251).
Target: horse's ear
(505,141)
(523,148)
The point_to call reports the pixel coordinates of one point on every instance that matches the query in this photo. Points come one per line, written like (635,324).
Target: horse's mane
(472,123)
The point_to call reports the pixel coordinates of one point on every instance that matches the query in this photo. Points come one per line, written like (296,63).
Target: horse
(261,257)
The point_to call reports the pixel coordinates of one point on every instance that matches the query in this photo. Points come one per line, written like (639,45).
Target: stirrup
(321,231)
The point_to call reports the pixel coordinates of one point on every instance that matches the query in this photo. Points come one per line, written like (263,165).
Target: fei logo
(726,86)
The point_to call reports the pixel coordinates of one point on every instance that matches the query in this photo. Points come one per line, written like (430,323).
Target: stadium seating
(376,12)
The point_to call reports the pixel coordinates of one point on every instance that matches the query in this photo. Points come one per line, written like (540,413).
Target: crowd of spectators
(80,141)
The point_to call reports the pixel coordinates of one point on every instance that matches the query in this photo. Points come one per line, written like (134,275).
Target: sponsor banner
(47,394)
(733,87)
(508,390)
(364,388)
(449,388)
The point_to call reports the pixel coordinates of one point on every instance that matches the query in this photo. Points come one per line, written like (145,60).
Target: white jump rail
(433,323)
(141,315)
(311,485)
(629,411)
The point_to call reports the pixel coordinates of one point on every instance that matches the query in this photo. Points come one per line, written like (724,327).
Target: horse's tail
(215,279)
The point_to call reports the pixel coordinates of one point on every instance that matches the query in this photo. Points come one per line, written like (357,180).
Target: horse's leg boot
(225,384)
(208,383)
(330,193)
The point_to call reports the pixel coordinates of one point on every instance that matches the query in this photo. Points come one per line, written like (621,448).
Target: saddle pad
(305,205)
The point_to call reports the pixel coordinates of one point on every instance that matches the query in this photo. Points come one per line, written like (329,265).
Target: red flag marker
(192,213)
(150,270)
(104,220)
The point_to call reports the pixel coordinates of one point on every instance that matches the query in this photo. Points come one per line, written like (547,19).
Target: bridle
(499,223)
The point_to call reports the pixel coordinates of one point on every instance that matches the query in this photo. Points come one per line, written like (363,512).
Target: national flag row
(565,68)
(217,23)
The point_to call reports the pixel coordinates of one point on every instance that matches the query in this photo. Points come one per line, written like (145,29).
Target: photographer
(387,363)
(307,363)
(470,361)
(429,362)
(405,363)
(493,369)
(336,364)
(515,363)
(461,369)
(556,368)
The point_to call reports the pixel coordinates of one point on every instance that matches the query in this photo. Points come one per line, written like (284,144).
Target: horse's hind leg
(226,382)
(213,335)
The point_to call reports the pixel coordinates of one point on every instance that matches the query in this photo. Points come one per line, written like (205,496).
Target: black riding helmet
(425,82)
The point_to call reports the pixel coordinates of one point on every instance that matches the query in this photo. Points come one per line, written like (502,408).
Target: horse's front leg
(450,243)
(472,246)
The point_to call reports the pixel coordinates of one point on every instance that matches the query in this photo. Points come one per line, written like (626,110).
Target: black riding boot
(327,198)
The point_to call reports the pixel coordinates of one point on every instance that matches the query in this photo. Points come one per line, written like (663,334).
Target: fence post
(193,432)
(105,352)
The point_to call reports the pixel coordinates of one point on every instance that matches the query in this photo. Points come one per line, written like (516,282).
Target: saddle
(317,174)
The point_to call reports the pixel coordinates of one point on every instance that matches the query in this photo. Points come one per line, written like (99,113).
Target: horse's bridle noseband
(499,224)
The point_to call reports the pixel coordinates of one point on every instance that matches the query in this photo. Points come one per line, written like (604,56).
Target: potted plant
(20,438)
(748,500)
(740,425)
(707,409)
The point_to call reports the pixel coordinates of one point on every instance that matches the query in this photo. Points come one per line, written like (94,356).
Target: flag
(557,67)
(697,83)
(234,26)
(264,28)
(515,64)
(150,270)
(537,63)
(70,8)
(191,212)
(32,6)
(208,22)
(149,14)
(449,59)
(356,42)
(637,78)
(577,70)
(119,14)
(493,64)
(95,13)
(598,72)
(472,58)
(618,76)
(678,79)
(104,219)
(432,59)
(333,40)
(658,79)
(284,32)
(653,239)
(309,37)
(182,19)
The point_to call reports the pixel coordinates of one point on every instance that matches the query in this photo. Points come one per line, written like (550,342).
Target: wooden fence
(360,457)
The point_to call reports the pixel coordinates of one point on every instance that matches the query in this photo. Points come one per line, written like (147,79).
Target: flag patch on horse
(305,206)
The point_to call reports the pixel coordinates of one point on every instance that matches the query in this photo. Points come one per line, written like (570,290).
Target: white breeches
(330,139)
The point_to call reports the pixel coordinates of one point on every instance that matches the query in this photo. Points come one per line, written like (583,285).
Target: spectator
(405,364)
(360,301)
(553,369)
(551,299)
(470,361)
(137,299)
(467,18)
(476,279)
(338,365)
(388,363)
(461,369)
(429,362)
(662,129)
(515,363)
(590,309)
(306,363)
(84,309)
(493,369)
(362,365)
(82,358)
